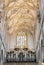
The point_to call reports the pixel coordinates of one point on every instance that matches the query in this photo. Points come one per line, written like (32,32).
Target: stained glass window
(21,39)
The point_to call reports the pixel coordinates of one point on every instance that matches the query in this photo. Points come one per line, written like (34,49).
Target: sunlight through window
(21,39)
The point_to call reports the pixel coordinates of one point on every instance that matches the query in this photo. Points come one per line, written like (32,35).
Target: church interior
(21,32)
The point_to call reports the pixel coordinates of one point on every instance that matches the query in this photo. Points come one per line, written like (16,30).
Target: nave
(21,32)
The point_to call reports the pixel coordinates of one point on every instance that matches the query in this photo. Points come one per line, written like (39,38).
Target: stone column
(1,21)
(41,27)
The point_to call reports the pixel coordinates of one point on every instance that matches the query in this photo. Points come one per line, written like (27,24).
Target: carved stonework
(21,15)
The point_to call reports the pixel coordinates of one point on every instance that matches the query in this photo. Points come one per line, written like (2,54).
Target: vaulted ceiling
(21,15)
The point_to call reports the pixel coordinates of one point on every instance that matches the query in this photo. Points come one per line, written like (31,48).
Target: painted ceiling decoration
(21,15)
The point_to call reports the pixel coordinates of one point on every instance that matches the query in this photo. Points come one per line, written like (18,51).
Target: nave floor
(21,64)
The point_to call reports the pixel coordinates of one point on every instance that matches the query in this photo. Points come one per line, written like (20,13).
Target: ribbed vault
(21,15)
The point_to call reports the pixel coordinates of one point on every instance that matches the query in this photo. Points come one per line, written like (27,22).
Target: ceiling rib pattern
(21,15)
